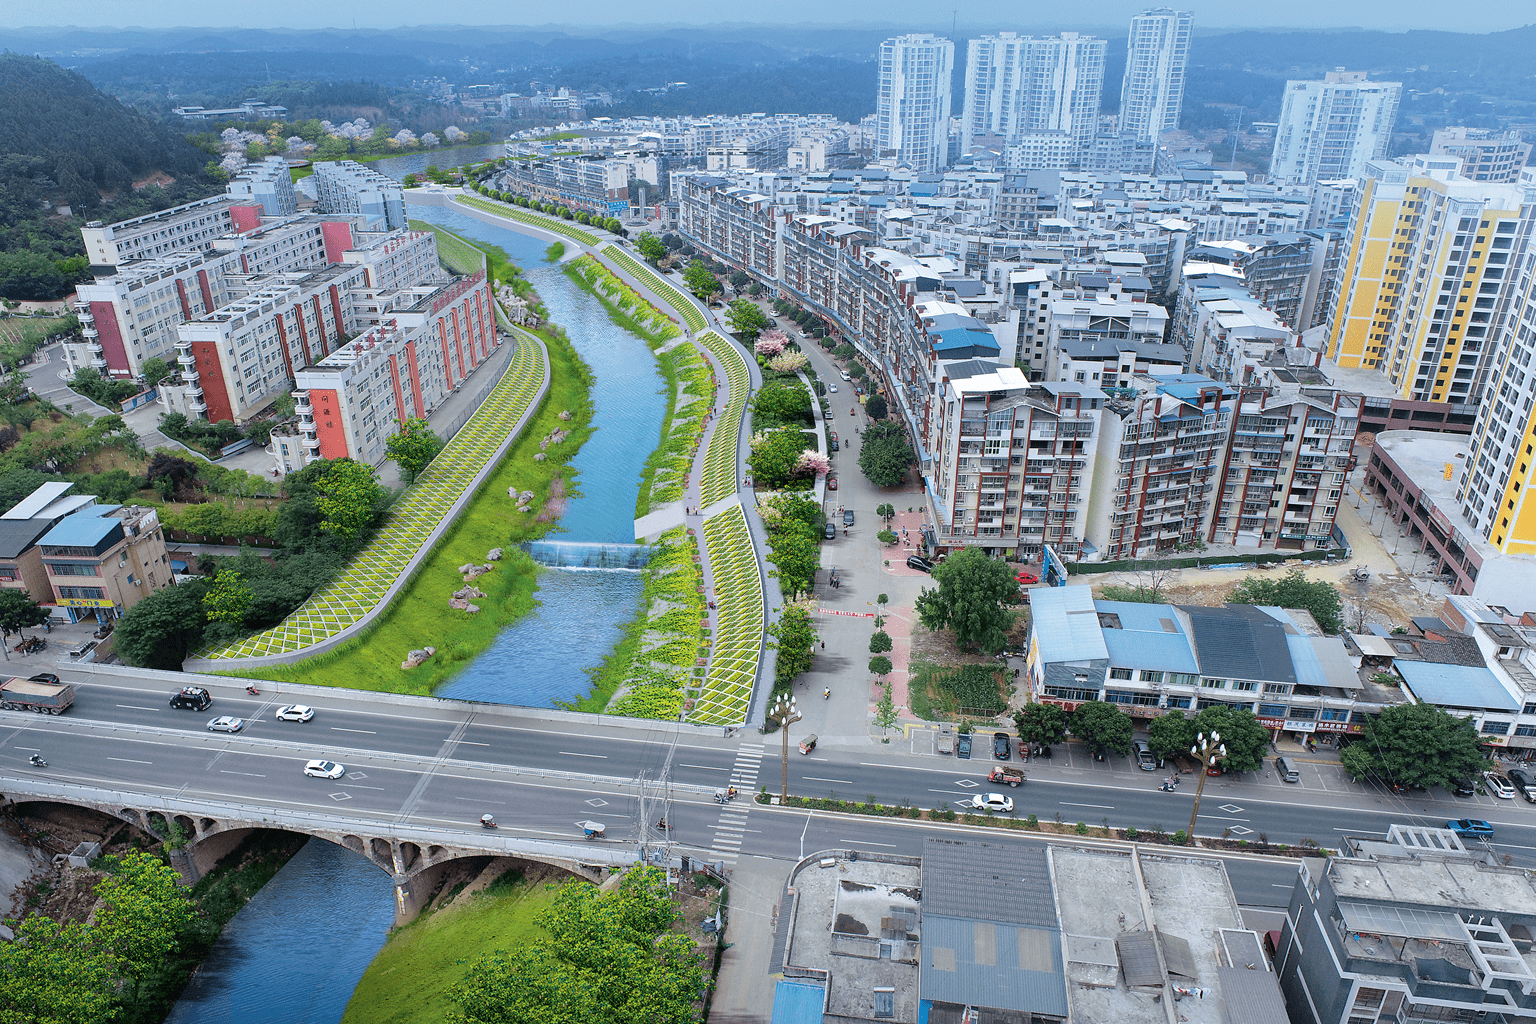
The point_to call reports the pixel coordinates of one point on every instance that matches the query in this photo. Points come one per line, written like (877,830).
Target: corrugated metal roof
(1240,642)
(1455,686)
(1159,652)
(798,1002)
(953,972)
(988,883)
(38,500)
(1066,624)
(1138,958)
(82,530)
(18,535)
(1251,997)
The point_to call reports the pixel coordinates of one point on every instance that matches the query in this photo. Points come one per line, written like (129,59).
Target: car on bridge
(993,802)
(194,698)
(226,723)
(294,713)
(1470,828)
(324,770)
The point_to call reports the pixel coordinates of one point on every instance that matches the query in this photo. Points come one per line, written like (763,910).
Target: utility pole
(784,712)
(1236,128)
(1207,750)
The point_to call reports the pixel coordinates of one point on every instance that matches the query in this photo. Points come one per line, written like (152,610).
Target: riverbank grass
(419,616)
(412,977)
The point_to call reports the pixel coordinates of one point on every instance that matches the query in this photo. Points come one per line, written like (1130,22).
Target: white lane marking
(366,732)
(252,775)
(812,778)
(1100,807)
(136,707)
(473,743)
(866,842)
(572,753)
(707,767)
(130,760)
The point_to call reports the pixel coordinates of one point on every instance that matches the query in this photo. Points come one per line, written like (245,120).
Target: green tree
(1358,760)
(773,456)
(781,403)
(796,557)
(700,281)
(142,910)
(228,599)
(746,318)
(880,642)
(880,665)
(413,447)
(155,371)
(794,638)
(885,457)
(650,246)
(18,611)
(1243,735)
(1172,734)
(1133,594)
(886,537)
(1293,590)
(54,973)
(1045,724)
(885,710)
(609,958)
(161,630)
(1420,745)
(886,511)
(1103,726)
(348,499)
(969,599)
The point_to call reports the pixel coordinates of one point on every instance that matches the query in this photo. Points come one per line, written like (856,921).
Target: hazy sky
(1477,16)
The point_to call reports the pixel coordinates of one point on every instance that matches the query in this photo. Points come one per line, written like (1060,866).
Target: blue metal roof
(962,339)
(1144,641)
(1455,686)
(81,530)
(797,1002)
(1066,624)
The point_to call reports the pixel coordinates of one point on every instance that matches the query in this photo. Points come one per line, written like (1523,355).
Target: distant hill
(63,143)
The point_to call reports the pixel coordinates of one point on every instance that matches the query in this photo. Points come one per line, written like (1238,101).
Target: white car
(994,802)
(845,375)
(224,723)
(832,388)
(324,770)
(1500,785)
(294,713)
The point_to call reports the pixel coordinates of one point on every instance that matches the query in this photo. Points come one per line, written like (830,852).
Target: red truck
(1008,776)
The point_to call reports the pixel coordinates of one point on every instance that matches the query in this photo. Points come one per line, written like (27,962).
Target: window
(1178,702)
(1213,684)
(1119,673)
(1244,684)
(83,593)
(1181,679)
(1071,693)
(1148,676)
(885,1002)
(1495,728)
(1272,710)
(71,569)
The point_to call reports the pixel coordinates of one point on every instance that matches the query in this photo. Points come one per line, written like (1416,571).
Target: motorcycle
(253,691)
(662,826)
(486,821)
(826,694)
(37,761)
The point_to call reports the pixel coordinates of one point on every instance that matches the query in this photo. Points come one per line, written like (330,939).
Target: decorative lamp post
(1207,750)
(784,712)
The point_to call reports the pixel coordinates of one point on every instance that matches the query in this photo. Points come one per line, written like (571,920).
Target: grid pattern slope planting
(363,583)
(738,641)
(537,220)
(718,480)
(456,254)
(658,286)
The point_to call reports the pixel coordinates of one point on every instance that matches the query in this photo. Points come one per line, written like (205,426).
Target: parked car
(963,746)
(324,769)
(830,530)
(919,562)
(1464,787)
(1523,783)
(194,698)
(994,802)
(1499,785)
(1026,578)
(1001,746)
(834,445)
(845,375)
(294,713)
(226,723)
(847,517)
(1470,828)
(831,483)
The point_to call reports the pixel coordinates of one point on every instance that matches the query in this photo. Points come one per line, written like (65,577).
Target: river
(414,163)
(299,948)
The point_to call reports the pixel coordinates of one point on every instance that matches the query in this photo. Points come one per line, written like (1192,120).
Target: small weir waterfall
(576,554)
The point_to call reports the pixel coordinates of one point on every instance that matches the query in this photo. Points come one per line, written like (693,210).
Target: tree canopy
(969,599)
(651,247)
(1246,739)
(1045,724)
(781,403)
(1293,590)
(348,499)
(746,318)
(161,630)
(700,281)
(885,457)
(1416,745)
(610,958)
(18,611)
(1103,726)
(412,447)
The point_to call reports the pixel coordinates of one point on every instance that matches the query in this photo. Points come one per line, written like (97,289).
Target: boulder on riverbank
(416,658)
(493,555)
(463,605)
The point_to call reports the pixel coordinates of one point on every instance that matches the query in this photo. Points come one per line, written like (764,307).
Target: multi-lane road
(444,763)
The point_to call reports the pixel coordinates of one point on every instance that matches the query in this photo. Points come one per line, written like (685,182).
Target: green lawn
(538,220)
(419,615)
(410,980)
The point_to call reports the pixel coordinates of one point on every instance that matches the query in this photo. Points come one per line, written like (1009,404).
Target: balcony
(99,362)
(196,404)
(88,332)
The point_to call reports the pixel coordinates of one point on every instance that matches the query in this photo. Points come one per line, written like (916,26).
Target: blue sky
(598,15)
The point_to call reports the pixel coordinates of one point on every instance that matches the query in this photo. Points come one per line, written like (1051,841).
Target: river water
(414,163)
(298,949)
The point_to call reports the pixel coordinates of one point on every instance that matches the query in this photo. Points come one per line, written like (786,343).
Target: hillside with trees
(70,154)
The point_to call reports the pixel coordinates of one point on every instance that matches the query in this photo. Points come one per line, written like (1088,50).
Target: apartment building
(346,186)
(598,184)
(1284,271)
(189,226)
(424,342)
(913,103)
(1429,269)
(1100,316)
(1152,92)
(1021,87)
(1105,364)
(1416,927)
(266,183)
(105,559)
(1226,332)
(1329,129)
(1486,155)
(1011,461)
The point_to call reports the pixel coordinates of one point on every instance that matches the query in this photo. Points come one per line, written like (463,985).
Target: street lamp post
(1207,750)
(784,712)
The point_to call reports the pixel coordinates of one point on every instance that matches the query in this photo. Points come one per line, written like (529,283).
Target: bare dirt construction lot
(1389,599)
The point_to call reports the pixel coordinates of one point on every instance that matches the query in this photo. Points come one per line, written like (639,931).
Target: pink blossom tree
(813,462)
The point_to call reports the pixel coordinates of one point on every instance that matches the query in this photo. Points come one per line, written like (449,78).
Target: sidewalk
(744,990)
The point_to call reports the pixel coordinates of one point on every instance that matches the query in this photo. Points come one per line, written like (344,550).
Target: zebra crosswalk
(732,825)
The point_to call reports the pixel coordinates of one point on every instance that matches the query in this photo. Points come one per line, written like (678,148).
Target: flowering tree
(404,138)
(789,362)
(453,133)
(429,140)
(233,163)
(771,343)
(813,462)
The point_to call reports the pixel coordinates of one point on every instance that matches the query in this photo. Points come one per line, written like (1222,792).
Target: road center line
(473,743)
(366,732)
(572,753)
(136,707)
(130,760)
(707,767)
(1100,807)
(812,778)
(226,771)
(865,842)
